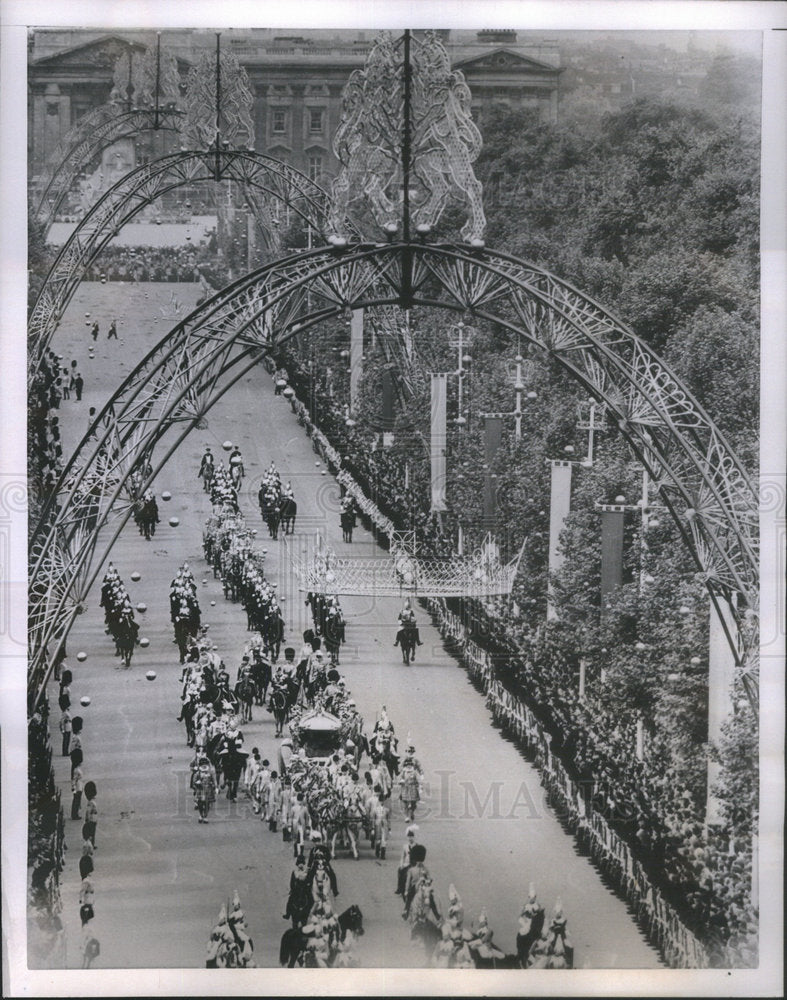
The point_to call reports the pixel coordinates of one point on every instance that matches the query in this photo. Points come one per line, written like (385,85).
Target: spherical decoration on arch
(136,576)
(81,656)
(151,675)
(144,642)
(174,522)
(84,701)
(166,495)
(142,607)
(227,446)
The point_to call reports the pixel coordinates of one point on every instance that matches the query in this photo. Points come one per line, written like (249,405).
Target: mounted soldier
(207,469)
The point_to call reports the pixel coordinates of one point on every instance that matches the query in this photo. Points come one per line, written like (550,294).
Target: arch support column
(559,509)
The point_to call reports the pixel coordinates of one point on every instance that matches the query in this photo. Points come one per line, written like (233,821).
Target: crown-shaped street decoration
(219,102)
(478,575)
(146,79)
(406,141)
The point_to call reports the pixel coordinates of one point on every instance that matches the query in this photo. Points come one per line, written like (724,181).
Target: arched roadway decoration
(142,186)
(91,135)
(698,477)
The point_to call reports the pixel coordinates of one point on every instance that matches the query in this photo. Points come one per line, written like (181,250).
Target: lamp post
(463,361)
(437,430)
(587,422)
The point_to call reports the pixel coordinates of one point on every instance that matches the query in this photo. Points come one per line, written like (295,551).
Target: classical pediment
(100,53)
(504,61)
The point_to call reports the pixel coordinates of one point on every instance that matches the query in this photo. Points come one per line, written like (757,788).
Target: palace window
(279,121)
(315,120)
(315,167)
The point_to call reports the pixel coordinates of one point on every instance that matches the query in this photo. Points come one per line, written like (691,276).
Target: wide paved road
(160,876)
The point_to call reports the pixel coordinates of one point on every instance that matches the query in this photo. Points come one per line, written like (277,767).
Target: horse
(344,818)
(236,475)
(406,638)
(334,637)
(347,521)
(288,509)
(317,603)
(379,822)
(273,633)
(381,749)
(318,682)
(125,640)
(423,916)
(293,941)
(270,510)
(279,707)
(244,691)
(207,472)
(299,903)
(261,677)
(267,495)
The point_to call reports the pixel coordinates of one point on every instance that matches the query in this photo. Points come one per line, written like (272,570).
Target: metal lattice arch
(96,131)
(698,477)
(267,182)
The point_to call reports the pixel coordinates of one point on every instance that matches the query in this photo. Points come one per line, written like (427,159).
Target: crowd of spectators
(121,263)
(50,384)
(703,871)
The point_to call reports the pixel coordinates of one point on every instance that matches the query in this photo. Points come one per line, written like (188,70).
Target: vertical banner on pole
(438,440)
(611,551)
(356,356)
(387,402)
(493,435)
(721,673)
(559,508)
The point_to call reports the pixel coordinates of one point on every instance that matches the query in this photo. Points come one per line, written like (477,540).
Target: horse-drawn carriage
(318,733)
(337,812)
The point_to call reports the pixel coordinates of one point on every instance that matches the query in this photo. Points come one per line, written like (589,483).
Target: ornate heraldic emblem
(443,140)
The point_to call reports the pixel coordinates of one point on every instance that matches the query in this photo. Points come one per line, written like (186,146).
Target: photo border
(768,17)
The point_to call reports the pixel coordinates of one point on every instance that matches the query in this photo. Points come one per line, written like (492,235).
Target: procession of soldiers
(324,800)
(119,615)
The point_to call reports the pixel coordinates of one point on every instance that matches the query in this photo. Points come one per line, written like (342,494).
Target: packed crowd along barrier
(680,948)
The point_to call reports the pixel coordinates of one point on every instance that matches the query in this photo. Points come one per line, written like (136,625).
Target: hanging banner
(438,440)
(356,356)
(611,551)
(493,435)
(559,509)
